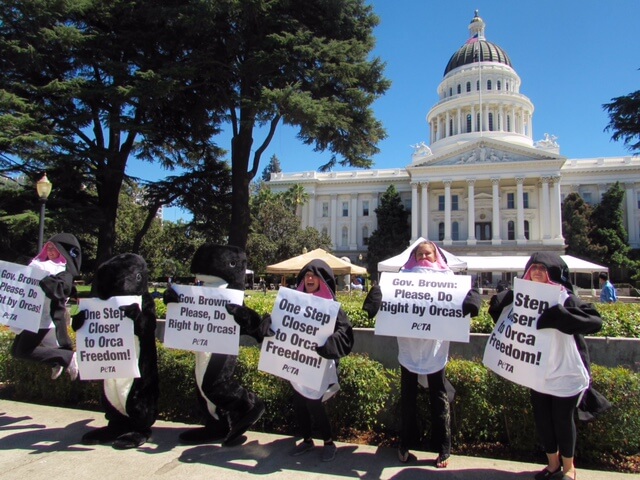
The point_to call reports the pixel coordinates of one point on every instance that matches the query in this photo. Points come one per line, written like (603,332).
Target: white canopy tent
(511,263)
(394,264)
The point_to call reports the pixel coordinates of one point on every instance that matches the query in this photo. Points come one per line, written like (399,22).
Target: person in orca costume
(229,409)
(61,257)
(131,404)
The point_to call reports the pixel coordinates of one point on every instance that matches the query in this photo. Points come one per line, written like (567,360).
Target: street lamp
(43,187)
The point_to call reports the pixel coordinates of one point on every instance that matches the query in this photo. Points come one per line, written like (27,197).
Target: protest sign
(423,305)
(105,344)
(516,350)
(301,322)
(200,322)
(21,298)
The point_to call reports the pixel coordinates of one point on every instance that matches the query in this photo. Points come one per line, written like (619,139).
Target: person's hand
(372,301)
(131,311)
(322,351)
(77,320)
(246,317)
(471,303)
(170,296)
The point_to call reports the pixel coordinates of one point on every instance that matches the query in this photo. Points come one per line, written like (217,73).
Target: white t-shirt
(51,268)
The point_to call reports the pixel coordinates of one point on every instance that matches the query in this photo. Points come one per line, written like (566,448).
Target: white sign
(301,322)
(105,344)
(516,350)
(21,298)
(201,323)
(423,305)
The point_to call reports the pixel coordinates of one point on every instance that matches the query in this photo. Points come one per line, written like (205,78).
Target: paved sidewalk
(41,442)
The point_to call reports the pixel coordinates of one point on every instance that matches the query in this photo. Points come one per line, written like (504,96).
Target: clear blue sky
(571,55)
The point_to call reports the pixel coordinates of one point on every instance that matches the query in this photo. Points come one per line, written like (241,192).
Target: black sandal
(545,474)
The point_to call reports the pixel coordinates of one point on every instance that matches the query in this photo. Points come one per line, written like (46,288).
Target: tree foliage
(393,233)
(577,228)
(624,120)
(272,167)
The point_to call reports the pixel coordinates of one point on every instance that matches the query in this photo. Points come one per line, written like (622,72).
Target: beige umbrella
(293,265)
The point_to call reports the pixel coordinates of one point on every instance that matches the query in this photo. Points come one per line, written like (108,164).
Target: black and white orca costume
(131,404)
(228,408)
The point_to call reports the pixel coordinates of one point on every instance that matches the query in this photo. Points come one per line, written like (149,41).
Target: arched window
(441,231)
(477,122)
(468,86)
(526,229)
(477,84)
(506,86)
(488,84)
(508,123)
(490,121)
(454,231)
(345,236)
(459,89)
(450,91)
(499,85)
(511,230)
(451,126)
(468,122)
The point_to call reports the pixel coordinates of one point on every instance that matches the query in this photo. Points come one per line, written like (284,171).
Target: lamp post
(43,187)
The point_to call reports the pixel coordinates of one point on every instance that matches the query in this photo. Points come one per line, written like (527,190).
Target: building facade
(482,186)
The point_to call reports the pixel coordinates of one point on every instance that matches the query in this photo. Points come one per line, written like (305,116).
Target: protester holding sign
(61,258)
(565,381)
(423,361)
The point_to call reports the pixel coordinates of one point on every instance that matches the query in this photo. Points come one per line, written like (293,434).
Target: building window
(441,231)
(638,199)
(477,122)
(441,203)
(587,197)
(468,123)
(468,86)
(365,235)
(525,199)
(454,202)
(325,209)
(499,85)
(454,231)
(491,122)
(506,86)
(365,208)
(511,201)
(488,84)
(451,127)
(526,229)
(508,123)
(450,92)
(511,230)
(477,84)
(345,236)
(459,89)
(345,209)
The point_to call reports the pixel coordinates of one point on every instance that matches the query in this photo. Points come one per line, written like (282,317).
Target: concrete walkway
(42,443)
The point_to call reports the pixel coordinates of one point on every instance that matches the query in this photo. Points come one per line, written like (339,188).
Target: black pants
(555,424)
(308,410)
(440,411)
(41,347)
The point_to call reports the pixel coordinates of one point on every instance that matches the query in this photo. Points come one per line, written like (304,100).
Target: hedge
(487,408)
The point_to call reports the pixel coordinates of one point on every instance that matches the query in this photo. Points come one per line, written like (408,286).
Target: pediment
(487,151)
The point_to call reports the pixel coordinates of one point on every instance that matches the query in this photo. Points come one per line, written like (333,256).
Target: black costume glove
(131,311)
(322,351)
(170,296)
(472,303)
(77,321)
(246,317)
(373,301)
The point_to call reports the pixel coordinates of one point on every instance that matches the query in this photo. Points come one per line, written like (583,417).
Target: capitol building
(483,186)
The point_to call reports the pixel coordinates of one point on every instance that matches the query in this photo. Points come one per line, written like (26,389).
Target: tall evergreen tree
(577,228)
(609,231)
(393,233)
(272,167)
(624,120)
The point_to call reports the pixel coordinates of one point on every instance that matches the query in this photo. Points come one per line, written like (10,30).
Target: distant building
(482,186)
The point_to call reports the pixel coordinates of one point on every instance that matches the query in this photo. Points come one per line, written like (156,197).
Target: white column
(520,238)
(556,211)
(473,118)
(353,231)
(414,211)
(545,212)
(424,210)
(447,130)
(312,210)
(631,213)
(459,119)
(447,212)
(334,221)
(495,222)
(471,213)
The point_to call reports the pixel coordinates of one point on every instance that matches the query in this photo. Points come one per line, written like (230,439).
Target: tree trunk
(240,179)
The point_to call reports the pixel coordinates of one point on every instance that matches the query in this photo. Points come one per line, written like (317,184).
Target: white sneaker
(72,368)
(56,371)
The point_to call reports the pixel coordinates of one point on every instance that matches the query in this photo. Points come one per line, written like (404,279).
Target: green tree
(306,64)
(577,228)
(624,120)
(92,83)
(272,167)
(393,233)
(609,231)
